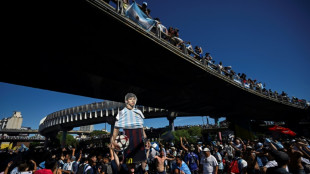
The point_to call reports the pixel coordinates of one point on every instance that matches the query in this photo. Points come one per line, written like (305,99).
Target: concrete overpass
(94,113)
(85,48)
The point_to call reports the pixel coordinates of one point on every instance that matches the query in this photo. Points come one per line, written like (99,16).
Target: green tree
(34,145)
(70,140)
(191,134)
(97,133)
(194,134)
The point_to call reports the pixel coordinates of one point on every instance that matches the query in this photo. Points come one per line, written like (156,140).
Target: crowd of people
(232,155)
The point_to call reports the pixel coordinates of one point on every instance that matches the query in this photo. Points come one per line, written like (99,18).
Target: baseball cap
(145,3)
(206,149)
(259,145)
(249,147)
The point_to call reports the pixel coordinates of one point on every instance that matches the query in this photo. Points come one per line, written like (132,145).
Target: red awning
(283,130)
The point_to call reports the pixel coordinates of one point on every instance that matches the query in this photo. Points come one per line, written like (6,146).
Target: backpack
(109,169)
(234,166)
(81,169)
(75,167)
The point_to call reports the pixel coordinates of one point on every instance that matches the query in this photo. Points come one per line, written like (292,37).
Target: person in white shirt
(208,162)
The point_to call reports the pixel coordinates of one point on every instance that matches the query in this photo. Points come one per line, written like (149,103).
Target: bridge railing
(211,66)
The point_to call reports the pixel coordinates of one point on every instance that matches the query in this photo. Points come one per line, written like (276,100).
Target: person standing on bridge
(131,120)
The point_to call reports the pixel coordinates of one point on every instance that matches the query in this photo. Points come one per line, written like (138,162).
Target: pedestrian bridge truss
(94,113)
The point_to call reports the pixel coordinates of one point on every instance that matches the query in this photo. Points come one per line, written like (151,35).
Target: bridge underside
(73,47)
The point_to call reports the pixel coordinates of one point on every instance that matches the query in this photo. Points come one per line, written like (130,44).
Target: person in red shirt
(50,167)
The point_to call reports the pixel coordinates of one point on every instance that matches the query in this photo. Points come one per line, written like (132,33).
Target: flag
(23,148)
(137,15)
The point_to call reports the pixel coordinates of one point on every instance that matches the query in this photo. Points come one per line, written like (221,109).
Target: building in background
(87,128)
(13,122)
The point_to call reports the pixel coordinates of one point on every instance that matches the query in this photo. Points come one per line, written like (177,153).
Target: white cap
(206,149)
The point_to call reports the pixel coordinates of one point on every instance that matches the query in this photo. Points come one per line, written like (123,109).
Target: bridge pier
(242,128)
(216,121)
(64,138)
(171,117)
(46,143)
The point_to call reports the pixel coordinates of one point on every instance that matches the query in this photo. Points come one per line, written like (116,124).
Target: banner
(134,13)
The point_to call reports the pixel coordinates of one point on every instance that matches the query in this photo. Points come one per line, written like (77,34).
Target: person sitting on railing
(171,34)
(189,47)
(161,27)
(284,96)
(178,40)
(227,70)
(270,93)
(232,74)
(243,79)
(220,67)
(259,86)
(121,5)
(144,8)
(208,57)
(125,4)
(199,51)
(251,83)
(275,94)
(237,77)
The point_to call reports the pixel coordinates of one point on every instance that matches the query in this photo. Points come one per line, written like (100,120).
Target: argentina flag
(134,13)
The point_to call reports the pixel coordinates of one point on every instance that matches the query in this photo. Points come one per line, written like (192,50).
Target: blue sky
(34,104)
(269,40)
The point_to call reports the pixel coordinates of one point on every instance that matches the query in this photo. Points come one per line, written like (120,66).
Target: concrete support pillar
(171,117)
(46,143)
(242,128)
(216,121)
(171,124)
(111,121)
(112,129)
(64,137)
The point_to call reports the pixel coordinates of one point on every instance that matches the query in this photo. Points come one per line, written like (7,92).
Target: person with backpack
(83,165)
(238,165)
(219,159)
(209,162)
(75,163)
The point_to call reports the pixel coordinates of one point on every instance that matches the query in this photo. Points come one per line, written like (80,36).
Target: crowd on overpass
(172,36)
(7,138)
(258,156)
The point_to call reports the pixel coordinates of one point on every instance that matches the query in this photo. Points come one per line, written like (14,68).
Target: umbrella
(282,130)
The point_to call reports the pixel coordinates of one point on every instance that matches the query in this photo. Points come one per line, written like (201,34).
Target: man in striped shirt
(130,119)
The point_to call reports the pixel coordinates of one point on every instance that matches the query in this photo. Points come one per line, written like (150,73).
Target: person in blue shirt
(180,166)
(192,160)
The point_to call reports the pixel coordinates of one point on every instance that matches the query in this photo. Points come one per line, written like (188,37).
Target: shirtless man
(160,162)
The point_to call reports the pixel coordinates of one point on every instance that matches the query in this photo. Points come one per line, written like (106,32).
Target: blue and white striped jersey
(129,119)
